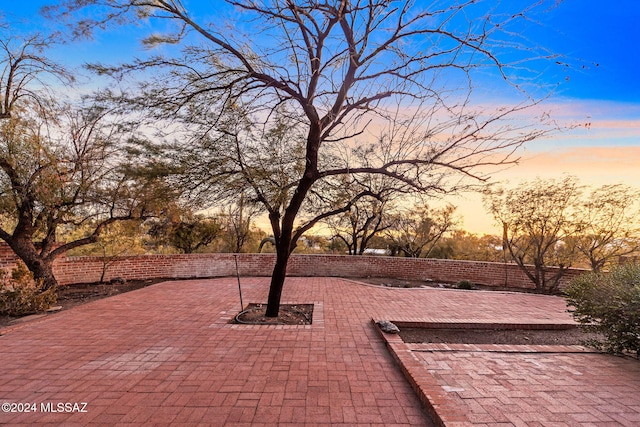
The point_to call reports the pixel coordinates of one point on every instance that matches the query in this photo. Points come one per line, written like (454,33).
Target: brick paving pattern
(166,355)
(534,389)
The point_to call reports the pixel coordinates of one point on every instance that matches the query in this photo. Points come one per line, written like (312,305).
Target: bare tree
(359,225)
(608,224)
(23,66)
(416,233)
(340,74)
(237,222)
(539,227)
(368,217)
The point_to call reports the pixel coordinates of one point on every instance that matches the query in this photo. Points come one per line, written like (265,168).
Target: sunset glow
(597,98)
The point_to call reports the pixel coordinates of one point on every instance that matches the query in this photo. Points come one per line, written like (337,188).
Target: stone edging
(442,410)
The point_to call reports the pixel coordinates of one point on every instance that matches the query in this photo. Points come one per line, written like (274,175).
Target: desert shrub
(21,295)
(465,284)
(609,303)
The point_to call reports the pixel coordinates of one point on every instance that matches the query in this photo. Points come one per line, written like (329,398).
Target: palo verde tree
(538,219)
(397,77)
(59,166)
(608,225)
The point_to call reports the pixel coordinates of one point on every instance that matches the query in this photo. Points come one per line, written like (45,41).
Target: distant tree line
(350,115)
(559,223)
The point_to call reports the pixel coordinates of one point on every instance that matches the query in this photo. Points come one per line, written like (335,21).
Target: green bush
(465,284)
(21,295)
(609,304)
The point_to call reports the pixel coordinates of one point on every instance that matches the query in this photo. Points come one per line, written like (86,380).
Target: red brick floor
(539,388)
(166,355)
(518,385)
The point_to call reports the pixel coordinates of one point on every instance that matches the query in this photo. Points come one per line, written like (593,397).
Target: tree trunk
(42,269)
(277,282)
(283,231)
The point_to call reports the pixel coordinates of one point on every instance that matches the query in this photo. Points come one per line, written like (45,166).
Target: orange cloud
(594,166)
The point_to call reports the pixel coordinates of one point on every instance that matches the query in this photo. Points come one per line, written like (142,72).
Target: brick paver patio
(166,355)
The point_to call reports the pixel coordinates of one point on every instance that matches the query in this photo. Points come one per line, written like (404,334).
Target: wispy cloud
(593,165)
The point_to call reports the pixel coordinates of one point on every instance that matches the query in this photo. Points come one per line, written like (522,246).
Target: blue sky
(603,33)
(583,30)
(601,38)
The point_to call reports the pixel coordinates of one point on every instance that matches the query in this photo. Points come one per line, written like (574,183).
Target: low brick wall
(89,269)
